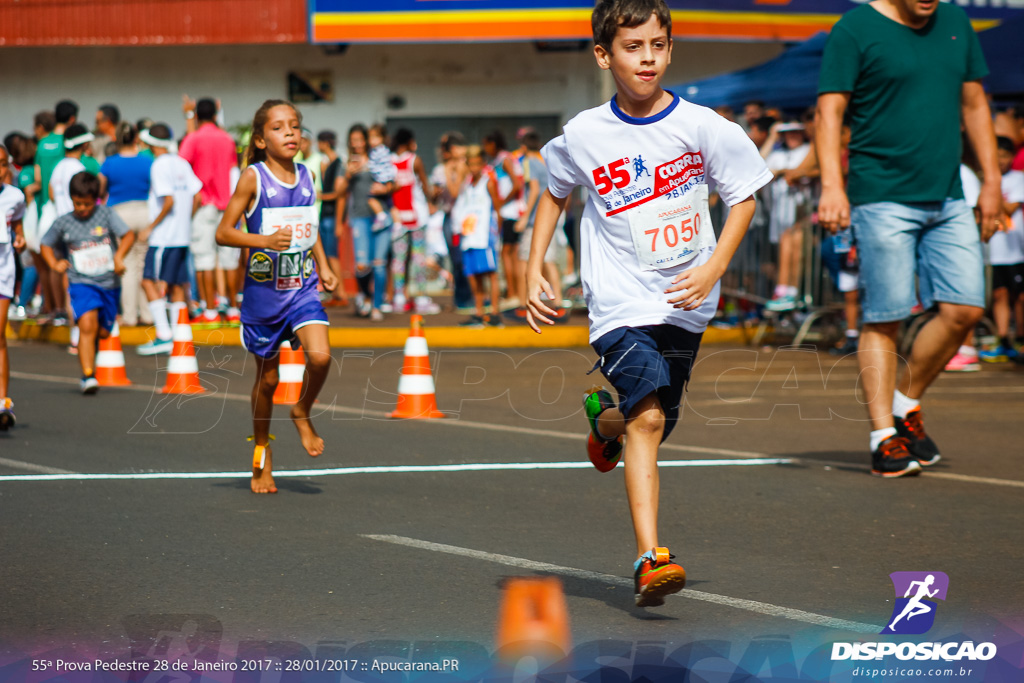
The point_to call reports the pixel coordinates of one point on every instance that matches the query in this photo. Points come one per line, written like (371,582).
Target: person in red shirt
(212,154)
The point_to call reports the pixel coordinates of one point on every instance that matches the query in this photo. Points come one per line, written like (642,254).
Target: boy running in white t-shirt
(650,261)
(173,200)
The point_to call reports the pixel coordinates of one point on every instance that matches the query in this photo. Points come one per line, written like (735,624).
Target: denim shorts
(938,242)
(327,237)
(639,361)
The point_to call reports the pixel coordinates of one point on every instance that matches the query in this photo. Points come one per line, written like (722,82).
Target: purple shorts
(264,340)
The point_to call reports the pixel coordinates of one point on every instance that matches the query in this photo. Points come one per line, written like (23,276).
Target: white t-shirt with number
(171,176)
(1006,248)
(646,216)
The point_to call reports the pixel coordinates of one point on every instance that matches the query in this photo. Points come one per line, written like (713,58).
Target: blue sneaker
(781,304)
(999,354)
(155,347)
(604,453)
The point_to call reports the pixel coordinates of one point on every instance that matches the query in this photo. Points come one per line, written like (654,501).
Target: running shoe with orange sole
(604,453)
(656,576)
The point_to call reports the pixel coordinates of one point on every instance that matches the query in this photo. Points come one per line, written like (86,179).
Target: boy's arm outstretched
(549,208)
(696,284)
(229,236)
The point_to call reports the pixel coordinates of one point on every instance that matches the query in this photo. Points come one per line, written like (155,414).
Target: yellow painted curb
(377,337)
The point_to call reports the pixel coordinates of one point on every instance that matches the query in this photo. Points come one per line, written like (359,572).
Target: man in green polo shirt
(907,72)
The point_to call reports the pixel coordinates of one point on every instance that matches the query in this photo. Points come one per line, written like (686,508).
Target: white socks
(880,435)
(158,309)
(901,405)
(966,350)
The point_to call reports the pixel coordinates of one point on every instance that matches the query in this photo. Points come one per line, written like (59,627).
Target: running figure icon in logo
(922,585)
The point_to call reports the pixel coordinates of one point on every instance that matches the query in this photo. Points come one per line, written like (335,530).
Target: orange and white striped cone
(110,370)
(416,399)
(182,366)
(291,369)
(533,621)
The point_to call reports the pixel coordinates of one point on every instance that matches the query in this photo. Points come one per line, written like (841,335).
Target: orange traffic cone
(110,361)
(182,367)
(534,621)
(291,370)
(416,399)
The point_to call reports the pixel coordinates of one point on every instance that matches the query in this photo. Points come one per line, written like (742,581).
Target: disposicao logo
(914,614)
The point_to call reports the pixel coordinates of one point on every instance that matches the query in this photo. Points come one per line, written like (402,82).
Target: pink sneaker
(961,362)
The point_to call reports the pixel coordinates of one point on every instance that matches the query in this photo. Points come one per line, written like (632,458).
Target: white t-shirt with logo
(12,209)
(172,176)
(60,183)
(631,167)
(1006,248)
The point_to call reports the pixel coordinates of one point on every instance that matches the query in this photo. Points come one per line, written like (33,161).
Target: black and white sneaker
(920,445)
(893,459)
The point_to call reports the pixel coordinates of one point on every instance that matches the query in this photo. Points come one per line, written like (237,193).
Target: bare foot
(262,481)
(311,441)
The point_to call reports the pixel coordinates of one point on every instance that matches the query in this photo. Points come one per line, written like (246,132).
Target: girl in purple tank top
(286,262)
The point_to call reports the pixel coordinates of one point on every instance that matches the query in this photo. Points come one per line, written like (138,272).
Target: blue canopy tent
(789,81)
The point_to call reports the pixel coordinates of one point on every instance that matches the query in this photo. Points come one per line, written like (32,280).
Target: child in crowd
(93,241)
(1006,254)
(651,264)
(382,168)
(173,200)
(76,142)
(12,240)
(286,261)
(474,216)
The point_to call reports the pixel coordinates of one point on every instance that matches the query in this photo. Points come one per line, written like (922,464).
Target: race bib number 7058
(671,231)
(302,221)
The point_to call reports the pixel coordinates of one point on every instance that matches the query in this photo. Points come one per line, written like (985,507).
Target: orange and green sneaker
(604,453)
(656,576)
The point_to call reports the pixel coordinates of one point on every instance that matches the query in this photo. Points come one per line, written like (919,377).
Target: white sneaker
(17,313)
(426,306)
(89,386)
(155,347)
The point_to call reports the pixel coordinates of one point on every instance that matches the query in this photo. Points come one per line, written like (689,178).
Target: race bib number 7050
(669,232)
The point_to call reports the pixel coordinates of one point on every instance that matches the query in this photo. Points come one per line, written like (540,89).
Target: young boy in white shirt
(173,200)
(650,265)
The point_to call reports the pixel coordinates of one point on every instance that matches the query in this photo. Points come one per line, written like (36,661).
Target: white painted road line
(63,475)
(32,467)
(738,603)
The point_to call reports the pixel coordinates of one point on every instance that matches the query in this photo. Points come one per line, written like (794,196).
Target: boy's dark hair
(1005,144)
(764,123)
(609,15)
(110,113)
(403,137)
(161,131)
(126,134)
(206,110)
(497,138)
(451,139)
(75,130)
(45,120)
(65,111)
(328,136)
(531,141)
(13,142)
(84,184)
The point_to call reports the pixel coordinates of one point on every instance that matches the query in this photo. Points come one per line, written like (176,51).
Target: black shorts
(639,361)
(1010,277)
(508,232)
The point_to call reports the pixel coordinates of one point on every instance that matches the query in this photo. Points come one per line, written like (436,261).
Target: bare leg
(1018,313)
(231,286)
(207,288)
(851,306)
(476,283)
(936,343)
(796,240)
(785,258)
(1001,311)
(643,436)
(5,363)
(495,294)
(88,327)
(508,264)
(316,344)
(878,361)
(262,410)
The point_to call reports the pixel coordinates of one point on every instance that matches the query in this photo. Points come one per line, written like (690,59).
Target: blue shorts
(327,237)
(264,340)
(479,261)
(939,242)
(639,361)
(85,298)
(167,264)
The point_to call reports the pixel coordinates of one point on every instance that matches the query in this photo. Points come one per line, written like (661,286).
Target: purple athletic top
(277,281)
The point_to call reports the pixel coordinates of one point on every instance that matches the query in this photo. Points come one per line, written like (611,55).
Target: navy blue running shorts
(639,361)
(166,264)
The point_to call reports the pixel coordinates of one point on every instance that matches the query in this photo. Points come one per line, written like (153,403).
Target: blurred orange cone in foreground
(416,399)
(182,366)
(291,369)
(534,621)
(110,361)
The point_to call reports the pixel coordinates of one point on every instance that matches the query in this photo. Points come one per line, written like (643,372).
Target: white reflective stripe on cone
(416,385)
(181,365)
(110,359)
(416,346)
(291,373)
(182,333)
